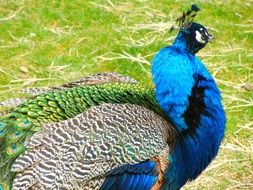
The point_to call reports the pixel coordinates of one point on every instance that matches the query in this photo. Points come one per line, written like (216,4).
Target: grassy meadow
(45,43)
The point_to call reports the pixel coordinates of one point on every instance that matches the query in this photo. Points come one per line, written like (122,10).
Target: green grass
(43,44)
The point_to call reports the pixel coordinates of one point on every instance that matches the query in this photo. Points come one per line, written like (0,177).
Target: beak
(210,37)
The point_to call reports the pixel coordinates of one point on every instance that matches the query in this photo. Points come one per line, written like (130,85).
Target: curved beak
(209,37)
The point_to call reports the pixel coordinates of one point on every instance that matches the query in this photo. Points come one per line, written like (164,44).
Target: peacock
(108,131)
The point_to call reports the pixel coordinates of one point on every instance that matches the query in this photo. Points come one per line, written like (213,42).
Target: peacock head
(196,36)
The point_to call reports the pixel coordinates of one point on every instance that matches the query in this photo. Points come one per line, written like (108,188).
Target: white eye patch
(198,37)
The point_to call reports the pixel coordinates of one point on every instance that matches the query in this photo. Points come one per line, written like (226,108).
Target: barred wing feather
(80,153)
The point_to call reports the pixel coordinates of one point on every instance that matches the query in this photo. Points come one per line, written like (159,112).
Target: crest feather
(186,19)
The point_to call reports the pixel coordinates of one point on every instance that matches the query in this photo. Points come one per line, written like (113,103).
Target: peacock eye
(203,38)
(200,37)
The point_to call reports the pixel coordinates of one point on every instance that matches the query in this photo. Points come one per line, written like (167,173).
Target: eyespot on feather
(14,149)
(25,124)
(15,136)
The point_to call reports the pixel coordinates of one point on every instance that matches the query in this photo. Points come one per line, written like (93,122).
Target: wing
(54,106)
(108,145)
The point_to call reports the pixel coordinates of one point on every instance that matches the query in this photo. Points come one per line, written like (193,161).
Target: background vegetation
(44,43)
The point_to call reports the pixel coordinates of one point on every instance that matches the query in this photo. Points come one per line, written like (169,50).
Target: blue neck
(176,72)
(180,43)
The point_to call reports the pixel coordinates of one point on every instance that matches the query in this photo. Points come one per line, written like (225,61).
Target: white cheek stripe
(198,37)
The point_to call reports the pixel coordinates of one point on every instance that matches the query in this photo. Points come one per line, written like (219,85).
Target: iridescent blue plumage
(140,176)
(180,79)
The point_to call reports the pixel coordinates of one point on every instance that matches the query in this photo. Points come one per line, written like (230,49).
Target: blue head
(196,36)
